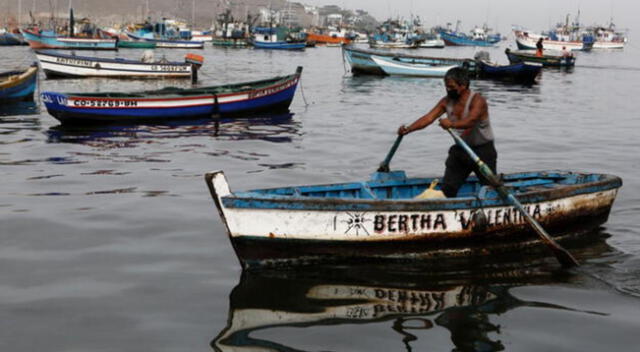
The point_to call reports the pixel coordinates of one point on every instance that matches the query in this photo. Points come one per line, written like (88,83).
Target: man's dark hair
(458,75)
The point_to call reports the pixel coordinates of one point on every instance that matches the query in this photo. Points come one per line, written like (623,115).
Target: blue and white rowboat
(274,94)
(361,60)
(49,40)
(382,218)
(399,68)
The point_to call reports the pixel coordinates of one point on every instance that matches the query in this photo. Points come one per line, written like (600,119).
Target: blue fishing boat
(478,37)
(276,38)
(11,38)
(520,72)
(386,217)
(362,60)
(272,95)
(18,85)
(50,40)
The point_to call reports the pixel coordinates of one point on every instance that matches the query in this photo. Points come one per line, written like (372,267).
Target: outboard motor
(482,56)
(195,61)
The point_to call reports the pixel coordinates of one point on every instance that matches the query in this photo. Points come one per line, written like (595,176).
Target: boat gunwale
(171,93)
(243,200)
(54,53)
(392,54)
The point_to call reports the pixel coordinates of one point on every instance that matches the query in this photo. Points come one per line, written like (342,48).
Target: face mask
(453,94)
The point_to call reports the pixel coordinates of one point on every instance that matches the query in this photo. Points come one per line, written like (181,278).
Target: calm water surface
(110,241)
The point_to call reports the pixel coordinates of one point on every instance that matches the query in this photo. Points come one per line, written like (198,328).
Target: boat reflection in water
(277,128)
(19,108)
(410,302)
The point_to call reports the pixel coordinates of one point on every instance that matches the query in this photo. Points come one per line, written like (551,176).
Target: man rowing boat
(468,113)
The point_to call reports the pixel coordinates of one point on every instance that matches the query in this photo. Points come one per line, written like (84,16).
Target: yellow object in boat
(431,192)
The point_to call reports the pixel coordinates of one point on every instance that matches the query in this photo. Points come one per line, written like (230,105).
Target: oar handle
(563,256)
(384,166)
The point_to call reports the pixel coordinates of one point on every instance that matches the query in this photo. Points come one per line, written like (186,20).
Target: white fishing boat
(397,67)
(56,64)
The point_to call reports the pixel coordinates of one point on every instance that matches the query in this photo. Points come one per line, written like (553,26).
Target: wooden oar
(564,257)
(384,166)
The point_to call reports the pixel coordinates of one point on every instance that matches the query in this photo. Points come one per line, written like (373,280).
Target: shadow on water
(280,128)
(410,300)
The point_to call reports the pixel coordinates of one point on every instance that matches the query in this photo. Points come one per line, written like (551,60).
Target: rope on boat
(306,104)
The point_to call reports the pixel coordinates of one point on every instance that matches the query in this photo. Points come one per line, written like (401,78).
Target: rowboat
(18,85)
(527,41)
(400,68)
(521,72)
(56,64)
(549,58)
(381,219)
(361,60)
(50,40)
(272,95)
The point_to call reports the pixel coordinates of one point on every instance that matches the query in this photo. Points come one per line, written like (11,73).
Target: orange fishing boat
(327,39)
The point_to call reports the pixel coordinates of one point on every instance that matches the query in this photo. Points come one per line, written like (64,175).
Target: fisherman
(566,53)
(539,47)
(468,113)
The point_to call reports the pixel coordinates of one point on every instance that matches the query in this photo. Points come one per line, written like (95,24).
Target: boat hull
(18,85)
(399,68)
(62,65)
(547,59)
(455,40)
(279,45)
(241,99)
(521,72)
(281,230)
(136,44)
(327,39)
(39,41)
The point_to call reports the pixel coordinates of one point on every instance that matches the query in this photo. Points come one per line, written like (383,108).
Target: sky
(500,14)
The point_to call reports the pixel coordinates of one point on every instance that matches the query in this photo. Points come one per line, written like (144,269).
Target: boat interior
(410,188)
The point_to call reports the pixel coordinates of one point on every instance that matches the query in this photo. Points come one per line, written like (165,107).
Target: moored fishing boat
(50,40)
(18,85)
(274,94)
(277,39)
(361,60)
(170,43)
(394,67)
(56,64)
(478,37)
(549,58)
(136,44)
(527,41)
(520,72)
(11,37)
(382,219)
